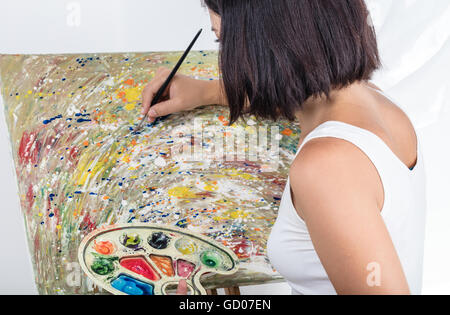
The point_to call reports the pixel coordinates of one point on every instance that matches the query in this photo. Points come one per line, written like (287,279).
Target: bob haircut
(276,54)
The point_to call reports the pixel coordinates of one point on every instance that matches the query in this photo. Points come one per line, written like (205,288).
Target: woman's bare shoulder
(333,168)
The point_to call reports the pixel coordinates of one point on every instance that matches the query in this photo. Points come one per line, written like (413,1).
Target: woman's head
(279,53)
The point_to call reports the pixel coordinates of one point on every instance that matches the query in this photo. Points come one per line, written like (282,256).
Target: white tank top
(290,248)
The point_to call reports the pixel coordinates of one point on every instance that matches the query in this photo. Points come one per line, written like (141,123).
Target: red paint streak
(73,153)
(87,224)
(30,197)
(29,148)
(241,248)
(37,243)
(49,144)
(57,216)
(205,194)
(141,267)
(280,183)
(49,203)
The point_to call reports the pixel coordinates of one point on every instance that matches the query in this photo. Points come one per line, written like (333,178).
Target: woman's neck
(344,104)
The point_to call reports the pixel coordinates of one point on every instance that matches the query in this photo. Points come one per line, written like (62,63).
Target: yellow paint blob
(210,188)
(236,173)
(238,214)
(186,246)
(130,106)
(182,192)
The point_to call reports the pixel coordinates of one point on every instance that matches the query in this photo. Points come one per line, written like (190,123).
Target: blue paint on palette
(132,286)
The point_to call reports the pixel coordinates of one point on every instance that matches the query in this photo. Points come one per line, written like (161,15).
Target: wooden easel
(228,291)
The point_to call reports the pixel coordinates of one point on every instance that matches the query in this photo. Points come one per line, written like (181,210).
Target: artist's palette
(145,259)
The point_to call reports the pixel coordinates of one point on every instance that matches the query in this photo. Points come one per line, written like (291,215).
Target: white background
(414,38)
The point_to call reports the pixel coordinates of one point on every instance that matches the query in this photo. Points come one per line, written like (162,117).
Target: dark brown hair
(278,53)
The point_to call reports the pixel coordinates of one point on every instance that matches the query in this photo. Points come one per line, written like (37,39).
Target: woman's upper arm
(333,184)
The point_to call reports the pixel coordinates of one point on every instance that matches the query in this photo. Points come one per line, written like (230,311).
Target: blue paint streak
(47,121)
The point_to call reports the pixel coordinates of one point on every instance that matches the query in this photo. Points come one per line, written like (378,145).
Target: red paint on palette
(185,268)
(140,266)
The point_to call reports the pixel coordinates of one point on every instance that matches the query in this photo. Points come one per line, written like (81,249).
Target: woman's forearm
(215,93)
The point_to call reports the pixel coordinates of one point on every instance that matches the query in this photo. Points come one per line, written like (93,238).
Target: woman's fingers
(163,109)
(182,287)
(152,88)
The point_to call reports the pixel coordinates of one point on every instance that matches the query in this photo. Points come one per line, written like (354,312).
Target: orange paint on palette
(104,248)
(164,264)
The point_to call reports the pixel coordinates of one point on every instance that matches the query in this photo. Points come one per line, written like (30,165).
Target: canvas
(78,166)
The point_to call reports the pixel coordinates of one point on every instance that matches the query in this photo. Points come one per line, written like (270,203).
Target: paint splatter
(70,120)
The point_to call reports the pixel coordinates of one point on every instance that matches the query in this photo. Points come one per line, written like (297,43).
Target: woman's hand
(182,94)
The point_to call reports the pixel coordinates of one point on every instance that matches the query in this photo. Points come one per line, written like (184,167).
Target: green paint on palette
(210,259)
(131,240)
(103,265)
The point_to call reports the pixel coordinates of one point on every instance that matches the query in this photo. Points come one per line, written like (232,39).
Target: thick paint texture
(132,286)
(185,268)
(164,264)
(104,247)
(103,265)
(70,119)
(159,240)
(140,266)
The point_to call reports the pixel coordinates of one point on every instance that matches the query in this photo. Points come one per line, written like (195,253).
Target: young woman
(351,219)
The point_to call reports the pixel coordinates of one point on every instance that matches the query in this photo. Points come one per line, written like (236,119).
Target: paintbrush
(163,88)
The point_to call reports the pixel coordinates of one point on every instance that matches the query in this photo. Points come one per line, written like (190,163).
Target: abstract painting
(79,166)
